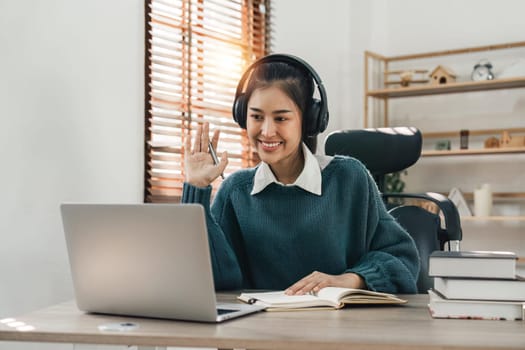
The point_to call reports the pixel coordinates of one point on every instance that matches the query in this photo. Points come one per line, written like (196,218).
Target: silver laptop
(149,260)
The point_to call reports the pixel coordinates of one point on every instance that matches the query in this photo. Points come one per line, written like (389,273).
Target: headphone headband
(321,113)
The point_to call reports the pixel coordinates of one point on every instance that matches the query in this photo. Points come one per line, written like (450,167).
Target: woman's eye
(256,116)
(280,119)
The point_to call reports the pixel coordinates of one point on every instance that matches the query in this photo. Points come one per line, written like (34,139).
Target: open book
(331,297)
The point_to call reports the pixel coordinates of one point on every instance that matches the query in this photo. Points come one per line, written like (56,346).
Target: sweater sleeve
(391,263)
(226,271)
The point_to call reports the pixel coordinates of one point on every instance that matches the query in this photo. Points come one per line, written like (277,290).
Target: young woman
(296,221)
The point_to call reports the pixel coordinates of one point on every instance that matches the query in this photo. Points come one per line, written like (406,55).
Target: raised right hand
(199,168)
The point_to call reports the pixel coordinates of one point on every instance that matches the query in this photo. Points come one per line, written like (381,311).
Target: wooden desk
(379,327)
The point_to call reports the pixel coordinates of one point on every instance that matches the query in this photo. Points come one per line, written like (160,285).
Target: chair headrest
(381,150)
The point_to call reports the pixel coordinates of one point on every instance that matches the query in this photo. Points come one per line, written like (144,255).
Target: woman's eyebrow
(279,111)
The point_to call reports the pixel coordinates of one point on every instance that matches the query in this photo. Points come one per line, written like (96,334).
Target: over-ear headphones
(315,116)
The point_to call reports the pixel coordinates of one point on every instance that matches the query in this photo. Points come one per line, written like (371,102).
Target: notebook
(149,260)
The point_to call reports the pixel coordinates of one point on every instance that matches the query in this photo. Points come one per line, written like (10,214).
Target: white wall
(71,109)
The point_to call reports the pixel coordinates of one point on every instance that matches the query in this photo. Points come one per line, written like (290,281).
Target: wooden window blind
(196,53)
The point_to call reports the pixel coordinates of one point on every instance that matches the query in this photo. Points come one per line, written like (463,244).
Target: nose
(268,127)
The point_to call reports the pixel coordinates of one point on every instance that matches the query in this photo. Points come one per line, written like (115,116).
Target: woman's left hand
(318,280)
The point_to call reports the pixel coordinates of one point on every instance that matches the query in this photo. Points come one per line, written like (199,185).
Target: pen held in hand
(214,156)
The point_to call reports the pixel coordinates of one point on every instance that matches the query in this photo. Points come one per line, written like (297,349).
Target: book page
(336,293)
(329,296)
(358,296)
(279,299)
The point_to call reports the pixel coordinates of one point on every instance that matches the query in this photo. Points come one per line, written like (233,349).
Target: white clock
(482,71)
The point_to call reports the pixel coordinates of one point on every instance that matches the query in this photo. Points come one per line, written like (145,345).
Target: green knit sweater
(274,238)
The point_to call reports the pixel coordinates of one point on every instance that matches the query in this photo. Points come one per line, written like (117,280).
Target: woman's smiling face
(274,126)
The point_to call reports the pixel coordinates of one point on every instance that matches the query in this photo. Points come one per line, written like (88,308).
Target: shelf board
(467,152)
(467,50)
(492,218)
(506,83)
(479,132)
(496,195)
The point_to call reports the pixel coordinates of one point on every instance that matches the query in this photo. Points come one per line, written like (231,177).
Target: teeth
(273,144)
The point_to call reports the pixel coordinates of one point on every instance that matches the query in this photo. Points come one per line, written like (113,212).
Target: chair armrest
(450,212)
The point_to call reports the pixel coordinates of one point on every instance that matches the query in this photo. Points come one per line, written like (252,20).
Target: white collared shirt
(309,179)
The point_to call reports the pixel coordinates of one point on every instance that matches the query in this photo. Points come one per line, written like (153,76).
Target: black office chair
(389,150)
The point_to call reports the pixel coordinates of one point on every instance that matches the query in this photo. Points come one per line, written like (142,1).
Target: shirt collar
(309,179)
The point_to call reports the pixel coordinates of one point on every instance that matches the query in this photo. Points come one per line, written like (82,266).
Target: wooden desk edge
(231,334)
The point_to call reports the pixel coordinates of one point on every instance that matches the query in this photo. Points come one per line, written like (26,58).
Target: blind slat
(228,126)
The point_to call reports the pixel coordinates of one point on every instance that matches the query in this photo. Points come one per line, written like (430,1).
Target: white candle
(483,200)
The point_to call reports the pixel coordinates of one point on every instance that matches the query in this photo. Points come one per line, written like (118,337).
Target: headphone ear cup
(239,110)
(322,119)
(315,123)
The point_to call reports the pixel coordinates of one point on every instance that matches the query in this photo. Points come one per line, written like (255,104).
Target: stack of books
(476,285)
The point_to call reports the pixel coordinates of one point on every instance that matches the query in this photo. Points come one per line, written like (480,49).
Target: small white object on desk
(118,327)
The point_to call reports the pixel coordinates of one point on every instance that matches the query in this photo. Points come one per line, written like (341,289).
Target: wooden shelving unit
(379,88)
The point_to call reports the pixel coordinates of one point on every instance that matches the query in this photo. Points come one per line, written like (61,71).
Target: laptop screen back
(141,259)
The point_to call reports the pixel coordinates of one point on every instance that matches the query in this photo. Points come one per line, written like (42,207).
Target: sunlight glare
(16,324)
(228,64)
